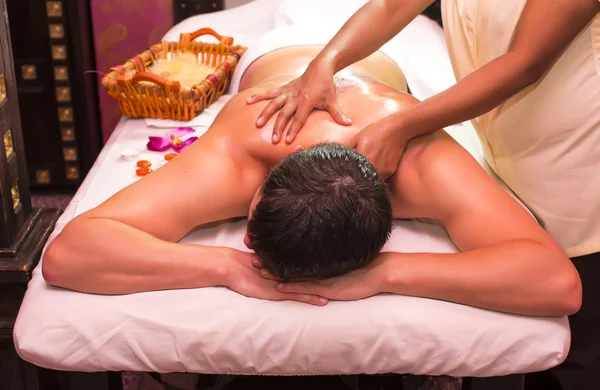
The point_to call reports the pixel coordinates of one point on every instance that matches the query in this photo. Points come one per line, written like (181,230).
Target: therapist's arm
(543,32)
(365,32)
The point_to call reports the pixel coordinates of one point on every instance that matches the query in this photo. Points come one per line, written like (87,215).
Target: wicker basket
(164,99)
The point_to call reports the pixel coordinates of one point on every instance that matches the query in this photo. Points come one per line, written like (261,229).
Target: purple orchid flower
(172,139)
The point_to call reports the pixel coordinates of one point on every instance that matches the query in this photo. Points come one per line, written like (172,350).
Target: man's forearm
(518,277)
(108,257)
(368,29)
(475,95)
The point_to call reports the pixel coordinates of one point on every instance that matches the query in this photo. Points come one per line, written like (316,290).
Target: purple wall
(123,28)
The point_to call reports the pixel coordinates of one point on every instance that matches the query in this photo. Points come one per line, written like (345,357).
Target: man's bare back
(218,177)
(366,99)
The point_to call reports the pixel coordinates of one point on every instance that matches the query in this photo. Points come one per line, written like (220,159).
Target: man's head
(320,213)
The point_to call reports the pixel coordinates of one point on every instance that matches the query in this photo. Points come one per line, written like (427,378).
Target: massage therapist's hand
(382,144)
(296,99)
(355,285)
(239,274)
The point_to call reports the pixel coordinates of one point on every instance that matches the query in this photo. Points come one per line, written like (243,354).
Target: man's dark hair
(323,212)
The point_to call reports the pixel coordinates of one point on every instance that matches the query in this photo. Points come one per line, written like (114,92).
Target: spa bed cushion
(214,330)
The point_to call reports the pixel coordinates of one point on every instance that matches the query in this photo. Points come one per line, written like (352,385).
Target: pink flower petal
(179,132)
(158,144)
(179,148)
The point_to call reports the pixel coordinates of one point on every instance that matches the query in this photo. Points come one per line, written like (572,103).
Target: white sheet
(214,330)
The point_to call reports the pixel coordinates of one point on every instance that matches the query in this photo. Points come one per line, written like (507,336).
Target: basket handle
(210,31)
(151,77)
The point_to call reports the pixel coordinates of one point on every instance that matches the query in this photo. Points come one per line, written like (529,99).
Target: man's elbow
(53,269)
(61,265)
(569,293)
(566,287)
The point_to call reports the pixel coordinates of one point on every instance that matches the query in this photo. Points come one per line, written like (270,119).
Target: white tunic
(544,143)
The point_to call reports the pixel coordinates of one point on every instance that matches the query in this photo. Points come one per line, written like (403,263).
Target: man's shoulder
(423,154)
(434,173)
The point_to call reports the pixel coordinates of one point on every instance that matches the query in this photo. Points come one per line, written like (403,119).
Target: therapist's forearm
(475,95)
(367,30)
(515,277)
(107,257)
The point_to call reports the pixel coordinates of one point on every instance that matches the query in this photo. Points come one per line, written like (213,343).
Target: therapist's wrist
(324,64)
(399,125)
(397,133)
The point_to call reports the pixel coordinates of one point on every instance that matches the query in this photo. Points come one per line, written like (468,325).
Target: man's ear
(297,149)
(247,241)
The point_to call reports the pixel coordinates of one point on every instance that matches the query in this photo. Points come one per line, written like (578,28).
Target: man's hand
(382,145)
(355,285)
(241,276)
(295,101)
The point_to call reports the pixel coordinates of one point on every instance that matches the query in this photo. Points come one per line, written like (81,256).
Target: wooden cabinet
(23,230)
(53,49)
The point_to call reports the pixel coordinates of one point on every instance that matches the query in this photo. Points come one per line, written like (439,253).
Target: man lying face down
(321,214)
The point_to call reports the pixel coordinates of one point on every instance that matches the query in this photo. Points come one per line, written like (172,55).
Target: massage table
(217,331)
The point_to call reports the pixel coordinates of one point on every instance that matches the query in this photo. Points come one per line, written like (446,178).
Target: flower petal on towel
(158,144)
(179,147)
(179,132)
